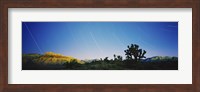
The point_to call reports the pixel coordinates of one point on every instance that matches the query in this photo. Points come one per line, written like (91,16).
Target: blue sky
(94,40)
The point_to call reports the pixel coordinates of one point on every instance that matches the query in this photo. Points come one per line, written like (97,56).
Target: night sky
(94,40)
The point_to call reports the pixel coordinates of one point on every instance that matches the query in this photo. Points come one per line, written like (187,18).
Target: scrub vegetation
(135,60)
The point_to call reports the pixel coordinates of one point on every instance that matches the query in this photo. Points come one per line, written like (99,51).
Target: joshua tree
(118,58)
(134,51)
(115,57)
(106,59)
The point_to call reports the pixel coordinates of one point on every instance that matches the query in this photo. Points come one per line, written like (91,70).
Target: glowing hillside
(53,58)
